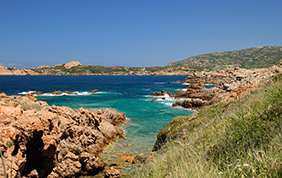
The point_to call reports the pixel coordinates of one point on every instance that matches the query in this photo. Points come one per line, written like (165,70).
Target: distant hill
(76,68)
(256,57)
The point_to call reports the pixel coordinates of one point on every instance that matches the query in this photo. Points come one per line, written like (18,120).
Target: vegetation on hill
(256,57)
(230,139)
(96,69)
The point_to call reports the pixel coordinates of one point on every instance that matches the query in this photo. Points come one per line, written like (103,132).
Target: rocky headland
(38,140)
(230,84)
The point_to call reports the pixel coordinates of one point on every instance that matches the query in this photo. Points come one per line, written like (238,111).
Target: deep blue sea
(128,94)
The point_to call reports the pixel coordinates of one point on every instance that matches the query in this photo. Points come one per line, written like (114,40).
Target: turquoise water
(128,94)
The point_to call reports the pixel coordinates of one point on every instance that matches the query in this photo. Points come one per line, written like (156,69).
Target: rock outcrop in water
(60,92)
(38,140)
(163,93)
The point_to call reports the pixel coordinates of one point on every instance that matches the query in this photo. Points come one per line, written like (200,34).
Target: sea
(128,94)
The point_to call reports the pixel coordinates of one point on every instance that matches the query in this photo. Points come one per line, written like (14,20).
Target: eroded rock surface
(38,140)
(230,84)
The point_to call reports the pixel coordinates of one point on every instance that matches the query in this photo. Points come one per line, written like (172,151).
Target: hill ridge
(255,57)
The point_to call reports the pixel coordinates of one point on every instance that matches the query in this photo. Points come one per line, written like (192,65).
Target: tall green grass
(236,139)
(5,174)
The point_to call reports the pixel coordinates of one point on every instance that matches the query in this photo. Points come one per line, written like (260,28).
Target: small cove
(128,94)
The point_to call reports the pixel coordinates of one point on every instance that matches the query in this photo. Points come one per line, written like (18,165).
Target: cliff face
(38,140)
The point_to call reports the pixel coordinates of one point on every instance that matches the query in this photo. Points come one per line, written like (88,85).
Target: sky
(132,33)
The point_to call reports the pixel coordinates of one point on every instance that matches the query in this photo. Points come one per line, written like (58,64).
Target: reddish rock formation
(38,140)
(16,71)
(231,83)
(191,103)
(68,92)
(162,93)
(93,91)
(112,173)
(57,93)
(126,156)
(72,64)
(5,71)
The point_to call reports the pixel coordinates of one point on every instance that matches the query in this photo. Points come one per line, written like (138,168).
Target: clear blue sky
(133,33)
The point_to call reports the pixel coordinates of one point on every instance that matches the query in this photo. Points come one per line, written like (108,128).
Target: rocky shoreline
(38,140)
(229,84)
(235,84)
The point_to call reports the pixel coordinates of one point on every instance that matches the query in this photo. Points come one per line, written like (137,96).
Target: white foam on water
(75,93)
(46,94)
(167,103)
(25,92)
(182,89)
(185,83)
(84,93)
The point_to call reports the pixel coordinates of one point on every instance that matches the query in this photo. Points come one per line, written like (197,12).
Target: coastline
(76,68)
(132,83)
(51,141)
(234,79)
(231,137)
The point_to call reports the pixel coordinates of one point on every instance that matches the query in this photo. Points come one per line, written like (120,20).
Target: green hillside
(96,69)
(230,139)
(256,57)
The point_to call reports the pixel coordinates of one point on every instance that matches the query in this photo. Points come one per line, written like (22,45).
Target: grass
(5,174)
(235,139)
